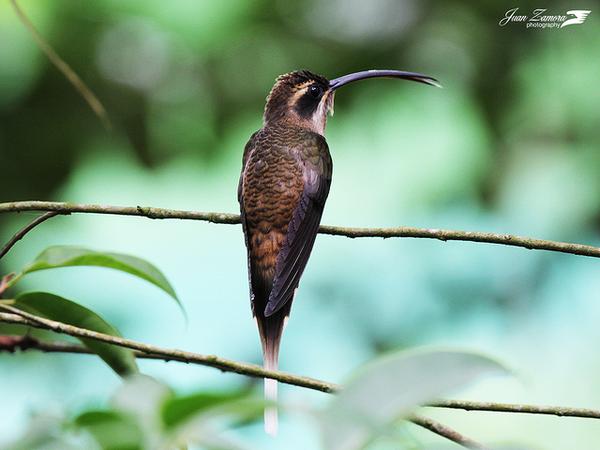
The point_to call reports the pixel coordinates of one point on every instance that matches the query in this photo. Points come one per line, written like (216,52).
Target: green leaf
(53,307)
(178,410)
(112,430)
(391,387)
(70,256)
(44,430)
(141,396)
(198,418)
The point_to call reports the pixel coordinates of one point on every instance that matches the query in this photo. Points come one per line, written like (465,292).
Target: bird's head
(303,98)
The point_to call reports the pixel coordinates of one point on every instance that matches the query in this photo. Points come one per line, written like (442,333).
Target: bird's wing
(250,145)
(247,150)
(302,230)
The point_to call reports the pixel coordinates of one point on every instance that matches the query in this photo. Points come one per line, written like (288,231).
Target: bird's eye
(315,90)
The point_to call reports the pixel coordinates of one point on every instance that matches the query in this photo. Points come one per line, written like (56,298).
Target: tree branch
(560,411)
(9,343)
(144,351)
(13,343)
(448,433)
(21,233)
(17,316)
(351,232)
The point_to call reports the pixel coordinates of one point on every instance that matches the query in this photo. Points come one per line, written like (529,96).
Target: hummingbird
(285,180)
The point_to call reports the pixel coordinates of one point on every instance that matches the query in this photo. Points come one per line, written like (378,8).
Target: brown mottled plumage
(284,183)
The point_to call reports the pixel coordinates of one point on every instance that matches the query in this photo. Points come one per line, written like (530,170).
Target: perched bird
(285,179)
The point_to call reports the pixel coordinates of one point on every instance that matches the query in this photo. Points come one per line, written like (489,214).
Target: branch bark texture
(351,232)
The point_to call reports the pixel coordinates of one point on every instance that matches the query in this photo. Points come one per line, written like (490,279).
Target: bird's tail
(271,329)
(271,413)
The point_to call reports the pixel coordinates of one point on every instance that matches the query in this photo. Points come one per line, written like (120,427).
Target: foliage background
(511,144)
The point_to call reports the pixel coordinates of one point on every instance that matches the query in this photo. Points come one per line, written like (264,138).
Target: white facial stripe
(319,118)
(302,89)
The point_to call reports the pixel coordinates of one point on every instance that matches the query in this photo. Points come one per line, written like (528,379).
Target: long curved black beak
(413,76)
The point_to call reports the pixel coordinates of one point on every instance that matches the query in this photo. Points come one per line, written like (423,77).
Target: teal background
(511,145)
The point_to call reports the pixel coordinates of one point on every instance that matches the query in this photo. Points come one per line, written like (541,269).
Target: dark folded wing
(247,151)
(302,229)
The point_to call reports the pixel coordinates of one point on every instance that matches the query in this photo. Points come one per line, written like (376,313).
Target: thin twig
(351,232)
(560,411)
(27,343)
(21,233)
(64,68)
(447,432)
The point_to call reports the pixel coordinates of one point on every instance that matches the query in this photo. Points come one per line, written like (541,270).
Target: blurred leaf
(169,421)
(179,410)
(50,306)
(391,387)
(112,430)
(141,397)
(70,256)
(199,418)
(45,431)
(221,443)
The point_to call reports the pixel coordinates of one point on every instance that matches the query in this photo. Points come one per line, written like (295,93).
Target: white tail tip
(271,420)
(271,414)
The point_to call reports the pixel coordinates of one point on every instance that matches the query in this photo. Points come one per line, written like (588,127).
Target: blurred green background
(511,144)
